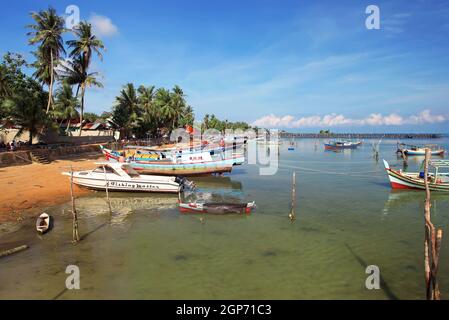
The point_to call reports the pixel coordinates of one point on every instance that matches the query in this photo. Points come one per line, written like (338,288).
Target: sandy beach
(28,189)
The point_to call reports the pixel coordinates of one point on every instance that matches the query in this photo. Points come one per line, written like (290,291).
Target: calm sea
(347,219)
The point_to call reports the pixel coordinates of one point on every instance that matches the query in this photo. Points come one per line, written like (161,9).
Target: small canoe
(217,208)
(43,223)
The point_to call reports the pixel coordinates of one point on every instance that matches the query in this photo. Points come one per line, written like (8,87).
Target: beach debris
(14,250)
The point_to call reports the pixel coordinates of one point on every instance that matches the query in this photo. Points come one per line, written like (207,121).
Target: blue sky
(303,65)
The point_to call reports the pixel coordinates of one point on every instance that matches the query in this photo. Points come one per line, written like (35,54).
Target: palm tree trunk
(68,127)
(50,87)
(82,108)
(30,141)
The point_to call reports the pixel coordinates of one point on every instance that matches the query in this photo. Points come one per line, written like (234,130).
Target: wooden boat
(438,181)
(412,150)
(184,164)
(122,177)
(342,145)
(43,223)
(217,208)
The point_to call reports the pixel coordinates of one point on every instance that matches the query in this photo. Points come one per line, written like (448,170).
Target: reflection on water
(347,218)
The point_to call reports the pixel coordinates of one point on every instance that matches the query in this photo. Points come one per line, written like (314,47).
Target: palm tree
(47,32)
(65,106)
(165,106)
(128,98)
(149,115)
(85,43)
(75,73)
(81,51)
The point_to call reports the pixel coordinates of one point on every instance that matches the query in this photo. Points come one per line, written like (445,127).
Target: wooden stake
(75,234)
(106,183)
(292,214)
(432,241)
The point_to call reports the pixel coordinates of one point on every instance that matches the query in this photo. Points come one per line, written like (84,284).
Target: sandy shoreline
(26,190)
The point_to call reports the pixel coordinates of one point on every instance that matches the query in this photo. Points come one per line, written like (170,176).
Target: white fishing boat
(122,177)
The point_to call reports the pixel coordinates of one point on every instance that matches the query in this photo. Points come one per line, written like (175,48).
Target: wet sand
(29,189)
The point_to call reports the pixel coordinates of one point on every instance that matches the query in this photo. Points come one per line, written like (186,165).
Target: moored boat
(342,144)
(438,181)
(413,150)
(217,208)
(43,223)
(182,164)
(122,177)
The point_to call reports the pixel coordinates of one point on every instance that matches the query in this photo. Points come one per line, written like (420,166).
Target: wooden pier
(396,136)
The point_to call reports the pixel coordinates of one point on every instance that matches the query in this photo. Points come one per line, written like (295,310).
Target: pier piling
(292,214)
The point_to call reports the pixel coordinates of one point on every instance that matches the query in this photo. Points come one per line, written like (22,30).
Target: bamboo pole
(14,250)
(106,183)
(292,214)
(432,241)
(75,234)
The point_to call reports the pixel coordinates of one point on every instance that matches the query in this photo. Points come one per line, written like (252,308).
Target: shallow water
(347,218)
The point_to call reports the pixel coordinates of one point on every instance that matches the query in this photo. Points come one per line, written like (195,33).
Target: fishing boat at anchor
(332,145)
(438,181)
(122,177)
(217,208)
(413,150)
(177,164)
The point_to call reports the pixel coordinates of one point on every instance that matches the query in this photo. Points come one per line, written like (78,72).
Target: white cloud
(333,120)
(103,26)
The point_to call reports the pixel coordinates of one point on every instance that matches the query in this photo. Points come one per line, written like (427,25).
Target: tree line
(54,92)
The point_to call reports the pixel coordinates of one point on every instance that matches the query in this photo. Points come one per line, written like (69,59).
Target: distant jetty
(396,136)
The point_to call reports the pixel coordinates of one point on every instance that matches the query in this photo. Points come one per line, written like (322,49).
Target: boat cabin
(440,170)
(120,169)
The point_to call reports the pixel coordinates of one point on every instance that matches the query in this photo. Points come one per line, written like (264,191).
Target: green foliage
(145,110)
(212,122)
(26,108)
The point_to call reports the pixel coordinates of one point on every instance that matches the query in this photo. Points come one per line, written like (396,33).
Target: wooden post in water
(106,183)
(75,234)
(432,241)
(292,214)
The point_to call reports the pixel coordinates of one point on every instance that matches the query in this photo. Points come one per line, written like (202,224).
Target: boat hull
(173,169)
(333,147)
(127,186)
(423,152)
(400,181)
(217,208)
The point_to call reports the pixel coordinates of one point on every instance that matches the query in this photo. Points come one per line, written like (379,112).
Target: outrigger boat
(412,150)
(217,208)
(122,177)
(180,164)
(438,181)
(331,145)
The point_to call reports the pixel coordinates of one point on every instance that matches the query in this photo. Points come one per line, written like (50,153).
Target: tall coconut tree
(85,43)
(75,73)
(47,33)
(83,46)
